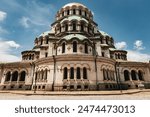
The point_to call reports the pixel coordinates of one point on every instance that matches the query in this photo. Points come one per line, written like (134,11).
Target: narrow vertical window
(74,26)
(74,11)
(66,27)
(80,12)
(84,73)
(46,54)
(68,12)
(71,73)
(74,46)
(78,73)
(82,27)
(63,48)
(65,73)
(23,75)
(86,47)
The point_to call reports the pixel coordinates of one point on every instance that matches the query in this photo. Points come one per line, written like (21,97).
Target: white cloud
(25,22)
(6,48)
(139,45)
(2,15)
(134,55)
(137,56)
(121,45)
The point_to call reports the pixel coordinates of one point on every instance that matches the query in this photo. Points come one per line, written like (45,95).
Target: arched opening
(133,75)
(23,76)
(45,74)
(104,74)
(63,47)
(126,75)
(74,11)
(74,46)
(84,73)
(41,41)
(66,27)
(68,12)
(80,12)
(86,47)
(82,27)
(15,76)
(71,73)
(30,57)
(65,73)
(140,74)
(78,73)
(74,26)
(42,74)
(8,75)
(107,73)
(85,14)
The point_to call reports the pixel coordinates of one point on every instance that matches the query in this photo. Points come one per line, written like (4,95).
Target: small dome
(72,4)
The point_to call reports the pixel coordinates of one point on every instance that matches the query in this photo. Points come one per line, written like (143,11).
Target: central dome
(74,4)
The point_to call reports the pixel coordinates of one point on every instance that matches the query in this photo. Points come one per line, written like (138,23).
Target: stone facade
(74,55)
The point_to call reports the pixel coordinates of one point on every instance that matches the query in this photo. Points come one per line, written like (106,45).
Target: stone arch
(22,76)
(8,76)
(126,75)
(133,75)
(15,76)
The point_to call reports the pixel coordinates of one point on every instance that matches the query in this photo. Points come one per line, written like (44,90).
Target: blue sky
(127,21)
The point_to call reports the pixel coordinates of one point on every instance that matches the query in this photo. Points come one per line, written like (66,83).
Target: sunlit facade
(74,55)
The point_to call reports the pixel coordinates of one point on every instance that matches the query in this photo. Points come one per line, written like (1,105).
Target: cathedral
(74,55)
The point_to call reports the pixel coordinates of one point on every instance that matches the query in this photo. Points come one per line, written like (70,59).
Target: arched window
(78,73)
(74,46)
(140,74)
(41,41)
(107,72)
(36,76)
(42,74)
(68,12)
(74,26)
(15,76)
(71,73)
(126,75)
(66,27)
(47,40)
(82,27)
(84,73)
(30,57)
(60,29)
(104,74)
(74,11)
(65,73)
(80,12)
(8,75)
(23,76)
(62,13)
(133,75)
(85,14)
(45,74)
(86,47)
(63,47)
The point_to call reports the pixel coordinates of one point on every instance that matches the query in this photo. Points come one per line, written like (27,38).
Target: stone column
(18,79)
(81,72)
(137,76)
(75,74)
(130,77)
(68,74)
(10,77)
